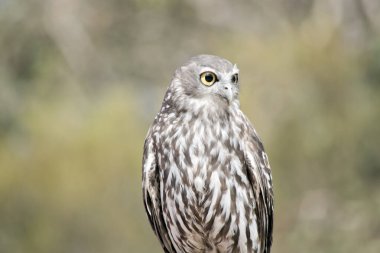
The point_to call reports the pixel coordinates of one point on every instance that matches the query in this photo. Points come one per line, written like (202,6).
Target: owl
(207,184)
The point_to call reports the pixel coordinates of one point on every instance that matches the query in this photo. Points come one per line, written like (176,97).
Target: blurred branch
(62,19)
(355,23)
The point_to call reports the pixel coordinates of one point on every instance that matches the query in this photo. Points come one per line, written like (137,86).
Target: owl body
(205,174)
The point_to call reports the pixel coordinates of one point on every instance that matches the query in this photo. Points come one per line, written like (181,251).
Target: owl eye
(208,78)
(235,79)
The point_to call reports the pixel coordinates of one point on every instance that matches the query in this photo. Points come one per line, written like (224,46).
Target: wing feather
(151,194)
(259,174)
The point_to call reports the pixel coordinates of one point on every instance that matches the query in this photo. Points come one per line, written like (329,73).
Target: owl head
(205,80)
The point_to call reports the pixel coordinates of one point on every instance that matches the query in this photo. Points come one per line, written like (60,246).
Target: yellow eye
(208,78)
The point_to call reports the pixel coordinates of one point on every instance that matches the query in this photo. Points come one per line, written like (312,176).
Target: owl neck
(198,108)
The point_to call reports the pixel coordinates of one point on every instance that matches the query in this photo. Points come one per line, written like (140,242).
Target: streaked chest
(192,148)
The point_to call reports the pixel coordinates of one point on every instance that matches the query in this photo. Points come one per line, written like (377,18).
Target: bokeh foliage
(80,82)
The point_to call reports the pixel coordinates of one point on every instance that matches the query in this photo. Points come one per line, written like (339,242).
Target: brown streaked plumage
(207,183)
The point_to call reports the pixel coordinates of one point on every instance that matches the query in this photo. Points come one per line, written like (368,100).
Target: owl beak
(227,91)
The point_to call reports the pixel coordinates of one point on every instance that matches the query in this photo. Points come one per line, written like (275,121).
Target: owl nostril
(226,87)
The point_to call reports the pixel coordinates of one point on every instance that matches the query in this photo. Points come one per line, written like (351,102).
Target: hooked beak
(227,92)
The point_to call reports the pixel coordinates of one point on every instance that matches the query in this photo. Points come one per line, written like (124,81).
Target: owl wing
(151,194)
(259,175)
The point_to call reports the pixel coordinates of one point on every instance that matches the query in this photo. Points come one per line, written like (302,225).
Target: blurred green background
(81,81)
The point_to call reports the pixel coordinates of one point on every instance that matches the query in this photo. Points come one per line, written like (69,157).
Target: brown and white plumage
(207,183)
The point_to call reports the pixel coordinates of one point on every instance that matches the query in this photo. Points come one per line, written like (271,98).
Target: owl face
(208,78)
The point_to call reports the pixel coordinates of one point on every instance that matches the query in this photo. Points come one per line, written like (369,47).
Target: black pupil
(234,78)
(209,78)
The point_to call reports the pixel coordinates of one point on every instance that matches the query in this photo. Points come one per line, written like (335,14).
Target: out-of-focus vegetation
(81,80)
